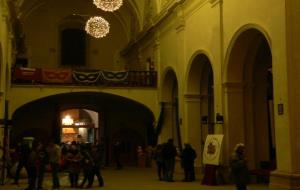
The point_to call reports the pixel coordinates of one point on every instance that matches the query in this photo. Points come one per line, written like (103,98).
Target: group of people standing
(35,160)
(74,158)
(165,156)
(84,158)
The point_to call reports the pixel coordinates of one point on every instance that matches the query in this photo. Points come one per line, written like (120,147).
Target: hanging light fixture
(67,120)
(108,5)
(97,27)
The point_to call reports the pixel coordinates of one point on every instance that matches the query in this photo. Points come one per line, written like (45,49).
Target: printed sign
(212,149)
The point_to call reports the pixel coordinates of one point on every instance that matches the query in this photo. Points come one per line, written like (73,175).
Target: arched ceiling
(130,15)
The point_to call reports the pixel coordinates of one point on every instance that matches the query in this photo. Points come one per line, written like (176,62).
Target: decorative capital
(180,23)
(192,97)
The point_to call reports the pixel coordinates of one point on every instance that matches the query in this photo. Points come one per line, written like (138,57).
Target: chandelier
(108,5)
(67,120)
(97,27)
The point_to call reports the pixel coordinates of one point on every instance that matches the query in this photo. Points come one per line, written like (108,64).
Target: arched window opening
(73,47)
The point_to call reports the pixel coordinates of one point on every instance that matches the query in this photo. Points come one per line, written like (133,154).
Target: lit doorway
(79,125)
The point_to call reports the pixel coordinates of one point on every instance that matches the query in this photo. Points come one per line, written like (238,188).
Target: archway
(171,128)
(200,102)
(249,98)
(42,119)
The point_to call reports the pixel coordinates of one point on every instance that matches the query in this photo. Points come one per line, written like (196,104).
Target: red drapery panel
(57,76)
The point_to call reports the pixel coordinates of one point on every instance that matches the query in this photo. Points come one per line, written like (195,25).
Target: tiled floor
(134,179)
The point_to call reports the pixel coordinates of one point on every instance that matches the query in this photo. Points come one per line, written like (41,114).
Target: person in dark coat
(157,156)
(169,153)
(96,169)
(42,160)
(87,165)
(117,154)
(32,168)
(187,161)
(23,152)
(238,167)
(74,160)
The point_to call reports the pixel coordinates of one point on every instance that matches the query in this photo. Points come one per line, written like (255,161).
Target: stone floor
(134,179)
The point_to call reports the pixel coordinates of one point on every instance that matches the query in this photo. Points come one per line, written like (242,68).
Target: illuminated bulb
(108,5)
(97,27)
(67,120)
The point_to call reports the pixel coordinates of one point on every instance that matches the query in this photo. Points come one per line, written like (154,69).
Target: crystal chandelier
(108,5)
(97,27)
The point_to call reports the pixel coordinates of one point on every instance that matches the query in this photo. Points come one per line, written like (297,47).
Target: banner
(116,76)
(86,76)
(212,149)
(61,76)
(27,74)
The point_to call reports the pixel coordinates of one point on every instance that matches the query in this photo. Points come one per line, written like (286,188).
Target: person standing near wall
(169,153)
(23,152)
(187,161)
(54,154)
(239,168)
(157,156)
(117,154)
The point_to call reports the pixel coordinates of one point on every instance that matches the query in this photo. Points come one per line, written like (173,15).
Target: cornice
(192,96)
(164,14)
(180,23)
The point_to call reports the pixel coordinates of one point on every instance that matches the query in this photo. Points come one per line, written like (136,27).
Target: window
(73,45)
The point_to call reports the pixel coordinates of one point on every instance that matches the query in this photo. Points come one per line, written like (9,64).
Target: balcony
(80,77)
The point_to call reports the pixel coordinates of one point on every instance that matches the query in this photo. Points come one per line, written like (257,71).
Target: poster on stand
(212,149)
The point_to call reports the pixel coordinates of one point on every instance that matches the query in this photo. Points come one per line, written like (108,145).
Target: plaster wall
(272,24)
(212,29)
(293,70)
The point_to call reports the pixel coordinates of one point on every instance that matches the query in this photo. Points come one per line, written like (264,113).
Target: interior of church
(211,73)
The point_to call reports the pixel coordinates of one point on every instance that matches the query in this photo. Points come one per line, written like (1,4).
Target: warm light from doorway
(67,120)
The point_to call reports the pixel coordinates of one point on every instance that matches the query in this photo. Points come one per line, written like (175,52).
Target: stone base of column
(284,181)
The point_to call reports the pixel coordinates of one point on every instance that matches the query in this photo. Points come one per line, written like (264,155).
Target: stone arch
(44,114)
(169,97)
(199,100)
(248,91)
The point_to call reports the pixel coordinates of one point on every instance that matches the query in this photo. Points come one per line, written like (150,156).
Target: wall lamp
(219,119)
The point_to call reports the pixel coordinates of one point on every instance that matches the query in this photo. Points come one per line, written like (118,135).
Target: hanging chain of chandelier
(97,26)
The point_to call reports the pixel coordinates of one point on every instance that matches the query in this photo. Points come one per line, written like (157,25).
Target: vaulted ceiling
(131,16)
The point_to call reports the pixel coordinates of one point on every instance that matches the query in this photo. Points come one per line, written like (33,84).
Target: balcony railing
(68,77)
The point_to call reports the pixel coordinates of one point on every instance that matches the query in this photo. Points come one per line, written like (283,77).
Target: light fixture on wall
(67,120)
(97,27)
(108,5)
(219,118)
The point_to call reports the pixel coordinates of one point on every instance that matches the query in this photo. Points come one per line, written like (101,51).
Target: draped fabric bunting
(116,76)
(86,76)
(57,76)
(27,74)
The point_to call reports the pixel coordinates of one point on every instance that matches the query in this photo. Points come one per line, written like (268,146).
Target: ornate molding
(192,97)
(214,2)
(180,22)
